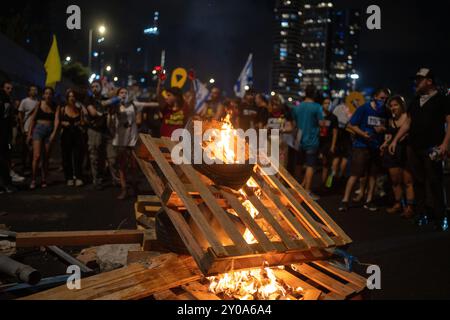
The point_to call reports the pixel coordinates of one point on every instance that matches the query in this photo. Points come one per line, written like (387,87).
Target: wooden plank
(312,295)
(324,280)
(178,187)
(131,283)
(292,280)
(148,199)
(186,235)
(288,217)
(249,222)
(315,207)
(199,291)
(301,213)
(274,259)
(78,238)
(353,278)
(263,211)
(153,179)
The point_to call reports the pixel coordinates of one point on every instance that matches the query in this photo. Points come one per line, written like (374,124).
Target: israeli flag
(201,95)
(245,80)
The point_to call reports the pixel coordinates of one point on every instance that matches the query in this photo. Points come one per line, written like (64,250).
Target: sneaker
(313,196)
(70,183)
(33,185)
(441,225)
(79,183)
(423,221)
(371,207)
(10,189)
(397,208)
(344,207)
(15,177)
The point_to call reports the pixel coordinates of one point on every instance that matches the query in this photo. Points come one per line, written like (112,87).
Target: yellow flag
(53,65)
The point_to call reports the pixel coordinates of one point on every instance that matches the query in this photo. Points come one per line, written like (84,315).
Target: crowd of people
(319,139)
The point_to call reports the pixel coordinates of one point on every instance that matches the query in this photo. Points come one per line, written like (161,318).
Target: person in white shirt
(26,108)
(123,123)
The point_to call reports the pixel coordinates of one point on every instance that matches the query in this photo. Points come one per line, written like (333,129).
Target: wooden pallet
(290,227)
(173,277)
(319,281)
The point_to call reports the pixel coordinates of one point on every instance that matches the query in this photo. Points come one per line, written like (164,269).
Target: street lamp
(68,58)
(101,30)
(354,77)
(212,81)
(108,68)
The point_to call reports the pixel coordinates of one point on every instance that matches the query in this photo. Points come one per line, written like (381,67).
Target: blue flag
(201,95)
(245,80)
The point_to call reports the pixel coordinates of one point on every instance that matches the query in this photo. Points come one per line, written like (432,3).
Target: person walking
(308,117)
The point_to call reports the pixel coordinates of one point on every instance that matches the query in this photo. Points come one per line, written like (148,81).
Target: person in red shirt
(175,110)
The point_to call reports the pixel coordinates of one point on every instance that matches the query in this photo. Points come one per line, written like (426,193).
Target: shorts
(397,160)
(42,132)
(308,158)
(365,162)
(325,154)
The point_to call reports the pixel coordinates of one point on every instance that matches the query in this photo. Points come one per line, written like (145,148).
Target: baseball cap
(424,73)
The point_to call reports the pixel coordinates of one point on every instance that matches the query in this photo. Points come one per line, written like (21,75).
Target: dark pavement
(415,263)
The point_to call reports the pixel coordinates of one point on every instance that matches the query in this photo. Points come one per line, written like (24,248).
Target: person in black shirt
(6,128)
(263,110)
(328,138)
(248,112)
(428,144)
(396,164)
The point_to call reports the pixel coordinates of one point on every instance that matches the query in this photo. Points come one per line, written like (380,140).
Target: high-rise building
(315,43)
(286,75)
(344,42)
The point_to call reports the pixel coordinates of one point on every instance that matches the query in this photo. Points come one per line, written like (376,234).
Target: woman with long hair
(72,141)
(123,122)
(401,177)
(43,128)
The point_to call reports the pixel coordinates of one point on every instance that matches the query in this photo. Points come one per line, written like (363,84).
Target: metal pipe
(18,270)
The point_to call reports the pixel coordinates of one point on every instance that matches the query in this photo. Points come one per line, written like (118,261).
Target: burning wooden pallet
(309,281)
(173,277)
(283,224)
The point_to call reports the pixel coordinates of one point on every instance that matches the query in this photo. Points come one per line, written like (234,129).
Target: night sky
(215,37)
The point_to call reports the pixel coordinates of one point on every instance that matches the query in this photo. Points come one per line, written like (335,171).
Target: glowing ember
(258,284)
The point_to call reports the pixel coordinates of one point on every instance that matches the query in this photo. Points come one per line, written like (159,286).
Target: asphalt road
(415,263)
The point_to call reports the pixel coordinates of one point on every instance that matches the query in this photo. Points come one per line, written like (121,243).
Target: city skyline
(204,34)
